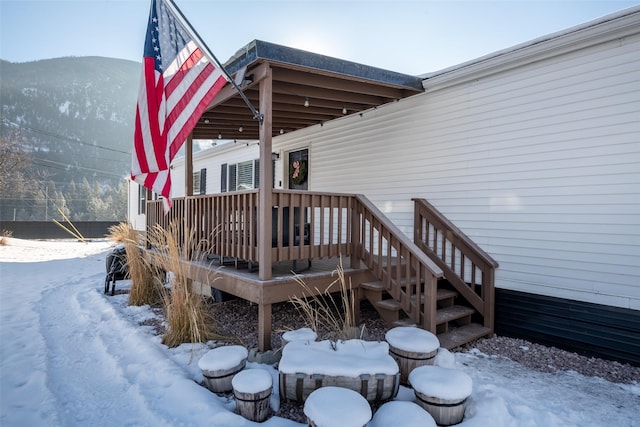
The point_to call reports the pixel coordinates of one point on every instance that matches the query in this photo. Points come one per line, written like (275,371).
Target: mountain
(73,116)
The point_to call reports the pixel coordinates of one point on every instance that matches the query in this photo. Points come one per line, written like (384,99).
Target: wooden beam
(264,326)
(188,190)
(265,193)
(341,84)
(309,91)
(188,166)
(258,74)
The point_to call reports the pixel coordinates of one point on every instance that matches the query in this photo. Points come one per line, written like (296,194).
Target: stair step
(412,280)
(454,312)
(463,335)
(373,286)
(446,294)
(389,310)
(441,295)
(389,305)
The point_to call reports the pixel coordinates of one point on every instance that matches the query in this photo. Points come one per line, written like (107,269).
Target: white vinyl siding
(533,153)
(539,164)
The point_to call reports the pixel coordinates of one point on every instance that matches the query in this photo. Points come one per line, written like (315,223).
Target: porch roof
(332,87)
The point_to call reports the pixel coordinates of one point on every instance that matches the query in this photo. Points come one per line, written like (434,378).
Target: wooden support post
(264,327)
(188,191)
(265,193)
(356,237)
(188,166)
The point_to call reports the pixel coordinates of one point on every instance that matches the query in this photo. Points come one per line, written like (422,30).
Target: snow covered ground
(72,356)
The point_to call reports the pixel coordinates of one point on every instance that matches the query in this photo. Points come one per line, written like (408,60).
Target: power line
(65,166)
(65,138)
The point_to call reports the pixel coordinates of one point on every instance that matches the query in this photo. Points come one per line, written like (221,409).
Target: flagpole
(256,114)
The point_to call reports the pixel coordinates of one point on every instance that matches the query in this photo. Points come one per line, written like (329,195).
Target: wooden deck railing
(320,220)
(305,225)
(467,267)
(313,225)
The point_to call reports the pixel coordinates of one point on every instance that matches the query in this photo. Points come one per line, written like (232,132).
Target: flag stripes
(178,83)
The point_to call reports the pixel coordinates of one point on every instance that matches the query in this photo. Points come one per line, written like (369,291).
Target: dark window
(223,178)
(233,177)
(142,200)
(203,181)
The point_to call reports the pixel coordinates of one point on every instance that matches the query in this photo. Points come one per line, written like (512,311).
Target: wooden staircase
(455,323)
(441,281)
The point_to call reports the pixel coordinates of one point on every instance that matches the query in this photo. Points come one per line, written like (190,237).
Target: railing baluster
(456,270)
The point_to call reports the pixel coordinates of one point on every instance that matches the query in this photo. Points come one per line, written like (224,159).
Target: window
(200,182)
(240,176)
(223,178)
(245,176)
(142,200)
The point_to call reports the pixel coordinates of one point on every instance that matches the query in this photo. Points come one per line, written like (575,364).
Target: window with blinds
(240,176)
(245,175)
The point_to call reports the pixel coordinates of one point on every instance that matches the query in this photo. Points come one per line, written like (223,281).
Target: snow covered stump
(401,413)
(252,389)
(442,392)
(411,347)
(336,406)
(220,364)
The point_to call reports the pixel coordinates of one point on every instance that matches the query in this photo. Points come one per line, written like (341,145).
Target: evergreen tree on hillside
(73,118)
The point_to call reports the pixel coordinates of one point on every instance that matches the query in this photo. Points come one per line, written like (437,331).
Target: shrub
(189,319)
(147,281)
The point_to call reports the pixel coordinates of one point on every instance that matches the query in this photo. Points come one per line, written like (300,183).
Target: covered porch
(266,228)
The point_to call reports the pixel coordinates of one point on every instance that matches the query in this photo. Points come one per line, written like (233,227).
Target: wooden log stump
(252,389)
(411,347)
(220,364)
(442,392)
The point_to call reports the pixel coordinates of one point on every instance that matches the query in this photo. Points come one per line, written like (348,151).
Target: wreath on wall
(298,172)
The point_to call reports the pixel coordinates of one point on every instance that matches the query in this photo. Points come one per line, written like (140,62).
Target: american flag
(178,83)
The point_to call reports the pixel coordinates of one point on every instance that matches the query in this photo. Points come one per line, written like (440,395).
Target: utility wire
(66,138)
(61,165)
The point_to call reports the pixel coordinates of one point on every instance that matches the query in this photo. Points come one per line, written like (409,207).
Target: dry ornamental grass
(189,319)
(322,310)
(147,281)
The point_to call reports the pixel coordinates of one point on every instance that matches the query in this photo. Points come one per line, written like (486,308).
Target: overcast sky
(413,37)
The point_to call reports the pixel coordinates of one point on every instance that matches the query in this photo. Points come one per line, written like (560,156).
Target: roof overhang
(307,89)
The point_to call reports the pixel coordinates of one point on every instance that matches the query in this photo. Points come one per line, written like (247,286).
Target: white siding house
(534,152)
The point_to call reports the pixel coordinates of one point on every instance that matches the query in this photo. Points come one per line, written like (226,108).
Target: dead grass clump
(189,319)
(122,232)
(6,234)
(322,310)
(147,281)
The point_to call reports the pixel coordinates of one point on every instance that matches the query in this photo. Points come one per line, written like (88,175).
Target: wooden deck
(234,277)
(239,281)
(404,279)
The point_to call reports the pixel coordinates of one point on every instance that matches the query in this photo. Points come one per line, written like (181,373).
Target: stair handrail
(417,301)
(480,294)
